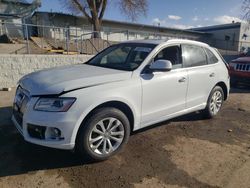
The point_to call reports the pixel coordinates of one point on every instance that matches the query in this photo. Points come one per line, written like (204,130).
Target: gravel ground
(184,152)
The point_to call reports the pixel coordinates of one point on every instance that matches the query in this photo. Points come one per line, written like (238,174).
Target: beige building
(233,37)
(13,13)
(111,30)
(64,27)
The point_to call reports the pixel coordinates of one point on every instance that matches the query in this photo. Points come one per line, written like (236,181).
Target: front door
(164,93)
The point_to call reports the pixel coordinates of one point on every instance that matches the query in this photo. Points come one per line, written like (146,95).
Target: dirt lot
(184,152)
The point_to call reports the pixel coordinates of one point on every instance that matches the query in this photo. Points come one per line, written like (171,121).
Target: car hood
(62,79)
(242,60)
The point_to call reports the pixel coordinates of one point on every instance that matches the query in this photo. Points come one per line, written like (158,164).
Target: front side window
(171,54)
(193,56)
(125,56)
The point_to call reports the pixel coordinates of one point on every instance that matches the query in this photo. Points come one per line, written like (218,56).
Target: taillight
(231,65)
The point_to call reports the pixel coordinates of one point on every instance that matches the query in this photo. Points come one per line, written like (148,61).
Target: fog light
(36,131)
(53,133)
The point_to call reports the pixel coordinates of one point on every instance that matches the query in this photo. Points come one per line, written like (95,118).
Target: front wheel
(103,134)
(214,102)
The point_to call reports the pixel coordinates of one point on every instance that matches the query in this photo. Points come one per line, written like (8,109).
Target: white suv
(93,107)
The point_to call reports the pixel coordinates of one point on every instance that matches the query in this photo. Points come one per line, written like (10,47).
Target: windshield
(125,56)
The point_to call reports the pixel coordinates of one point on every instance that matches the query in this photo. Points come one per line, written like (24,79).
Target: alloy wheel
(216,102)
(106,136)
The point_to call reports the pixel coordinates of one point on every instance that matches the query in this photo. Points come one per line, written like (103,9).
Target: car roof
(146,41)
(161,41)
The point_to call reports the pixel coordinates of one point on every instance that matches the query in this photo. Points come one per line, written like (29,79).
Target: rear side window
(193,56)
(212,59)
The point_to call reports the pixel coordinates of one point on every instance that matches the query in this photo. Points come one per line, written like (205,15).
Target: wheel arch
(224,88)
(125,108)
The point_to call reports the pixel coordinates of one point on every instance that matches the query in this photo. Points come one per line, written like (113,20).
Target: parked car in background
(239,70)
(93,107)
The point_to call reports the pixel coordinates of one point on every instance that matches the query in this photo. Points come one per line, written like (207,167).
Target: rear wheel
(103,134)
(214,102)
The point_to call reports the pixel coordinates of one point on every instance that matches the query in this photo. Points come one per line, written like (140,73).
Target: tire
(94,133)
(214,102)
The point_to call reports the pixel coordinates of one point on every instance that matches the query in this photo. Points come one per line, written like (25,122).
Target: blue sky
(172,13)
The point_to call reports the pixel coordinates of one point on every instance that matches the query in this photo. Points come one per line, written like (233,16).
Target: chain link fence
(39,39)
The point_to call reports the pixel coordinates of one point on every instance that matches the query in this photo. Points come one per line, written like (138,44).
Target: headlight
(54,104)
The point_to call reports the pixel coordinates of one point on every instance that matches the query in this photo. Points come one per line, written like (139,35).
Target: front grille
(18,117)
(242,67)
(19,106)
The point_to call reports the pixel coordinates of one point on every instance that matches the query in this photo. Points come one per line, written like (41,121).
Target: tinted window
(172,54)
(211,57)
(193,56)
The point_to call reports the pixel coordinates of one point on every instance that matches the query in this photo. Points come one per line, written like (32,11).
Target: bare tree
(94,10)
(133,8)
(246,10)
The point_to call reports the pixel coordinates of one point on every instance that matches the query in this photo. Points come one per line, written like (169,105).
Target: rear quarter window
(212,59)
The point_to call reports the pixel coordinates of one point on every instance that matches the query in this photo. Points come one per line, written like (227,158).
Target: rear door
(201,75)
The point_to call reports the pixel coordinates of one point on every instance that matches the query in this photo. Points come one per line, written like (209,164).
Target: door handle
(182,80)
(212,74)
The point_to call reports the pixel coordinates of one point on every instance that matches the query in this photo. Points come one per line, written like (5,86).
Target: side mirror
(161,65)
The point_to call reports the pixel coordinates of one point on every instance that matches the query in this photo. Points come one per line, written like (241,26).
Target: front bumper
(239,76)
(25,116)
(59,144)
(241,79)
